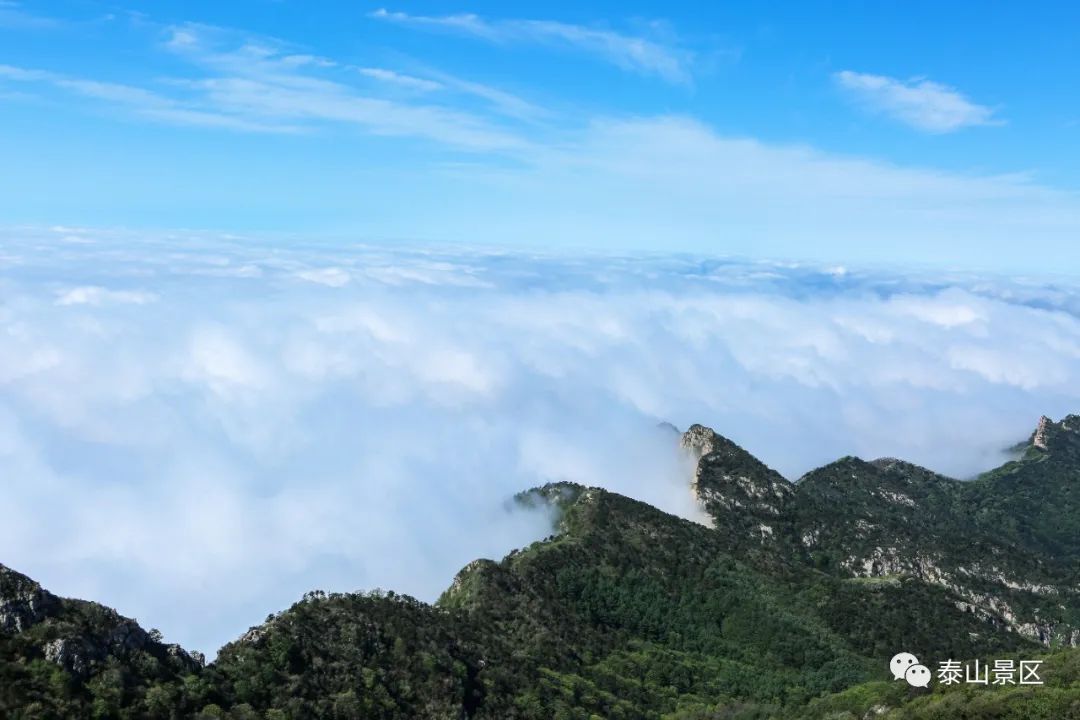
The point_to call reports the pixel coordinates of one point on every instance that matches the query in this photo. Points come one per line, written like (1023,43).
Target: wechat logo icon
(905,666)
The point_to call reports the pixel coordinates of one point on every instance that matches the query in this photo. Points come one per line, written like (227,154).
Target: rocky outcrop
(23,602)
(743,496)
(1041,437)
(890,519)
(82,647)
(699,440)
(75,655)
(78,635)
(1061,436)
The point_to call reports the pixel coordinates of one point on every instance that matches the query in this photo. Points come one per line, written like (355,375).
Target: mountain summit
(1007,542)
(1061,437)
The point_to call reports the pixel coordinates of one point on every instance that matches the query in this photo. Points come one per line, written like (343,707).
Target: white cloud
(406,81)
(332,277)
(920,103)
(641,182)
(627,52)
(500,100)
(253,78)
(13,16)
(247,437)
(217,360)
(254,84)
(92,295)
(143,102)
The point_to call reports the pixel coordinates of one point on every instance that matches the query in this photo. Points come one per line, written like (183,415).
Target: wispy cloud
(249,83)
(920,103)
(12,15)
(255,77)
(629,182)
(143,102)
(408,82)
(629,52)
(433,81)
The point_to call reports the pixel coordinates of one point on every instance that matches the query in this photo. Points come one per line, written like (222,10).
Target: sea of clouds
(196,429)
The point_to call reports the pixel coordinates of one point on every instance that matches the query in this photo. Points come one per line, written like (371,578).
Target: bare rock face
(81,649)
(73,654)
(80,635)
(23,603)
(1039,439)
(699,440)
(1052,436)
(726,471)
(856,518)
(126,637)
(743,496)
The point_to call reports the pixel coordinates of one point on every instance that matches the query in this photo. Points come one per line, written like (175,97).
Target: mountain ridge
(783,608)
(853,513)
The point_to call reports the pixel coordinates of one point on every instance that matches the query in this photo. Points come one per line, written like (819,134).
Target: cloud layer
(628,52)
(923,104)
(197,429)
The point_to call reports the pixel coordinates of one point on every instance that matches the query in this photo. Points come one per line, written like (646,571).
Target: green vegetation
(627,612)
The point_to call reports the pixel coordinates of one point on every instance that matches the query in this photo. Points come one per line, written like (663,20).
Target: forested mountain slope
(789,606)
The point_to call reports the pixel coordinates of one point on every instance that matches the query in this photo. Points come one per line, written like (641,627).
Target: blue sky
(851,132)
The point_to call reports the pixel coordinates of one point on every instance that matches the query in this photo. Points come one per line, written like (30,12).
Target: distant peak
(701,440)
(1049,435)
(669,428)
(845,466)
(711,448)
(23,602)
(738,491)
(698,439)
(887,463)
(887,460)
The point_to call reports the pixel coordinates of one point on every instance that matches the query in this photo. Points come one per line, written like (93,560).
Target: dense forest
(788,605)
